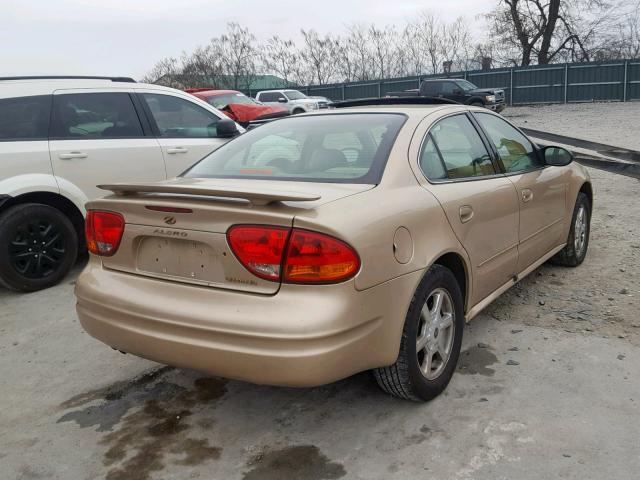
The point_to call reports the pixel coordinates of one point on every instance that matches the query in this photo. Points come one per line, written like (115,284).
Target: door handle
(527,195)
(72,155)
(466,213)
(175,150)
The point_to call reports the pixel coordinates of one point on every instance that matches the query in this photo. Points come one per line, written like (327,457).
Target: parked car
(325,244)
(458,90)
(61,136)
(293,100)
(237,106)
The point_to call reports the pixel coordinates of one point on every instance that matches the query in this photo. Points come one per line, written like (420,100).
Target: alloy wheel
(436,332)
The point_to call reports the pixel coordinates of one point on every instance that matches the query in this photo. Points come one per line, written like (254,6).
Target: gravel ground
(614,123)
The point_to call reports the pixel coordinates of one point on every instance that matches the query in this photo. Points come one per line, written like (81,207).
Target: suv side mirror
(282,100)
(557,156)
(226,128)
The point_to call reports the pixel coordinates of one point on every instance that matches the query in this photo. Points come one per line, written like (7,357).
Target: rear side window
(430,89)
(25,118)
(460,148)
(95,116)
(180,118)
(337,148)
(516,152)
(270,96)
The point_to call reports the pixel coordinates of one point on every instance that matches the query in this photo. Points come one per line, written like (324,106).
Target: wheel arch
(55,200)
(587,189)
(458,266)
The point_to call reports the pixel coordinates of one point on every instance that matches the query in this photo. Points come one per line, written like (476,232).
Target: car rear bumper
(302,336)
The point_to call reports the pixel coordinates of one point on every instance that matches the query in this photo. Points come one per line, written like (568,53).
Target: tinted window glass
(25,118)
(180,118)
(95,115)
(347,148)
(269,97)
(516,152)
(461,148)
(448,88)
(430,88)
(430,161)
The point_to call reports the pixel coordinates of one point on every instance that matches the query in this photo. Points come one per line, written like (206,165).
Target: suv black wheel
(431,340)
(38,247)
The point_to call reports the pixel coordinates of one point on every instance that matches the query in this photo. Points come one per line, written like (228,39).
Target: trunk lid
(190,245)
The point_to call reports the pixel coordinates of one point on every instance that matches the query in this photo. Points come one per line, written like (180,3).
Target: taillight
(318,258)
(103,231)
(259,249)
(292,255)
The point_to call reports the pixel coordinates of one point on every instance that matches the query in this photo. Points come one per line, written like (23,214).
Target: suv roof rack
(71,77)
(362,102)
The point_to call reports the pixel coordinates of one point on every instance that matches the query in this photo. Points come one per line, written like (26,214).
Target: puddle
(147,422)
(476,360)
(302,462)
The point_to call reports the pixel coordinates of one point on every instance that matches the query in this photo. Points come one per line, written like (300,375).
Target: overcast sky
(126,37)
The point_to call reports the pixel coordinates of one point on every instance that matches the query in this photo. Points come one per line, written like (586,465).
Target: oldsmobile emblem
(170,220)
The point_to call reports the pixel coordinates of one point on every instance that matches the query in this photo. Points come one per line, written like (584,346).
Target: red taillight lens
(317,258)
(259,249)
(103,231)
(311,257)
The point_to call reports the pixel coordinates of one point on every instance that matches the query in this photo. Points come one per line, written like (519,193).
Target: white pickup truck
(292,100)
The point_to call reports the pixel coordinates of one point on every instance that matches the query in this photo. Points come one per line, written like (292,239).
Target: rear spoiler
(257,196)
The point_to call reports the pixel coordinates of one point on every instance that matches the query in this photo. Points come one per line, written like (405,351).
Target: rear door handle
(72,155)
(175,150)
(466,213)
(527,195)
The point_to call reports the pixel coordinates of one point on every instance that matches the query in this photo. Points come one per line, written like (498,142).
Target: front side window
(462,152)
(516,152)
(336,148)
(466,85)
(448,88)
(180,118)
(95,116)
(25,118)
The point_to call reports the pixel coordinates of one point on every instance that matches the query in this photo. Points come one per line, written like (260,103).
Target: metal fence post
(419,82)
(379,89)
(511,86)
(566,81)
(624,88)
(343,96)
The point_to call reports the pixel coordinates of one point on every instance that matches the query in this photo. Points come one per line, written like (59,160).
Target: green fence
(556,83)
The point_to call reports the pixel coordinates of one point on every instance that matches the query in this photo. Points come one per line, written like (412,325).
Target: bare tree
(318,53)
(164,72)
(202,68)
(238,55)
(282,58)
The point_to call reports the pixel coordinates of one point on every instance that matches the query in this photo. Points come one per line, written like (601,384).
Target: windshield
(294,95)
(338,148)
(221,101)
(466,85)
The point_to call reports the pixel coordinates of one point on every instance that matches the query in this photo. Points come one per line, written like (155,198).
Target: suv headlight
(312,105)
(490,98)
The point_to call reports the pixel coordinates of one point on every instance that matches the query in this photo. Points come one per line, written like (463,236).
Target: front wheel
(575,250)
(431,340)
(38,247)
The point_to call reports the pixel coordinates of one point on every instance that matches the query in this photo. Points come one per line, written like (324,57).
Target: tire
(38,247)
(575,250)
(297,111)
(405,378)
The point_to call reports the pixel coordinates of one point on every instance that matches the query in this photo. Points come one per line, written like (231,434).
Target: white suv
(292,100)
(62,136)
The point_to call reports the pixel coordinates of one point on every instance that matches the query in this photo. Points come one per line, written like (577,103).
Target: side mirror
(226,128)
(557,156)
(282,100)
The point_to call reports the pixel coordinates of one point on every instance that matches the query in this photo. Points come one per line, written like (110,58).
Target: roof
(209,92)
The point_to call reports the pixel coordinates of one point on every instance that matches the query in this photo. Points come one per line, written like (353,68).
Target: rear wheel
(38,247)
(431,340)
(297,110)
(575,250)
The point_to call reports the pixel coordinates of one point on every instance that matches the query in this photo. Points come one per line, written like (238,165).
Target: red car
(237,105)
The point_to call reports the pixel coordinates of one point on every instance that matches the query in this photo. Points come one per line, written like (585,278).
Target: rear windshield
(338,148)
